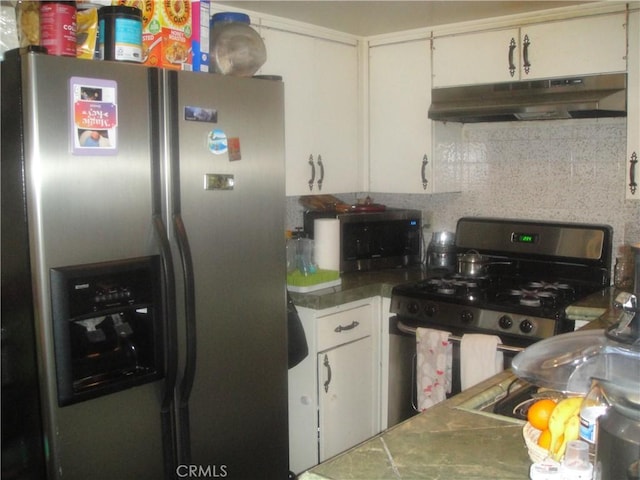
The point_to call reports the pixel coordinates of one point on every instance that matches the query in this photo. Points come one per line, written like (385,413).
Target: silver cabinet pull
(633,185)
(321,179)
(328,381)
(340,328)
(313,172)
(423,171)
(512,65)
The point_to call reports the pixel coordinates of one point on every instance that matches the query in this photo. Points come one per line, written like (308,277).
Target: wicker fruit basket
(536,452)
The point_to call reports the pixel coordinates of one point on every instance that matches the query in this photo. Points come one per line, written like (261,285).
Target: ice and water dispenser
(107,324)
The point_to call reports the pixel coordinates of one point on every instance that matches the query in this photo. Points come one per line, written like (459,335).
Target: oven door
(402,392)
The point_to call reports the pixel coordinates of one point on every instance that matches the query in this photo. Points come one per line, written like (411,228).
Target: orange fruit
(544,440)
(539,413)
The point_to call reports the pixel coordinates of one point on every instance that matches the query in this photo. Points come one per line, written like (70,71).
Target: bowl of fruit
(551,424)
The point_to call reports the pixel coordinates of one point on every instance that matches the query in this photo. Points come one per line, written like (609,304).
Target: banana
(563,411)
(571,432)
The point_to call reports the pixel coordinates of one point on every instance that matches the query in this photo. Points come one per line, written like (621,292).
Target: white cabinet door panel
(576,47)
(321,110)
(402,156)
(335,116)
(345,390)
(400,132)
(475,58)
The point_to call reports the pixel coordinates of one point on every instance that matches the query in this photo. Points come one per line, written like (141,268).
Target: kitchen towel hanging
(479,358)
(434,358)
(326,232)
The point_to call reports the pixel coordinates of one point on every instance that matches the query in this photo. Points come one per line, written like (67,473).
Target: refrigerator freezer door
(237,407)
(81,209)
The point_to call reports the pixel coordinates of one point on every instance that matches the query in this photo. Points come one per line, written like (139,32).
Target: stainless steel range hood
(576,97)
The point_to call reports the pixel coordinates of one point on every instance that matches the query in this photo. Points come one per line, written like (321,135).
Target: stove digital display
(529,238)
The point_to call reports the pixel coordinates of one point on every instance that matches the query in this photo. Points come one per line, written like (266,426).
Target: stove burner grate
(542,294)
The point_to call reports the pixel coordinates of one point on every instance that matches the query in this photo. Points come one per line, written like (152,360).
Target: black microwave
(375,240)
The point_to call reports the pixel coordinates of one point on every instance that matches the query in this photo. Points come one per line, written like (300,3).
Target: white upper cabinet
(402,158)
(632,184)
(574,47)
(476,58)
(321,110)
(577,46)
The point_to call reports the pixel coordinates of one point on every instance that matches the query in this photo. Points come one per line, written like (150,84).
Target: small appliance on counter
(372,236)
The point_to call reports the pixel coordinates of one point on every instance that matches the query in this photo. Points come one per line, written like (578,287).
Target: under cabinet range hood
(559,98)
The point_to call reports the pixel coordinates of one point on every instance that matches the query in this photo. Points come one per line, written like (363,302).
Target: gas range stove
(534,271)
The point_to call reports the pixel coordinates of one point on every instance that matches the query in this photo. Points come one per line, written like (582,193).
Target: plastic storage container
(120,33)
(235,48)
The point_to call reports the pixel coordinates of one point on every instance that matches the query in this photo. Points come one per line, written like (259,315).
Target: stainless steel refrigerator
(143,272)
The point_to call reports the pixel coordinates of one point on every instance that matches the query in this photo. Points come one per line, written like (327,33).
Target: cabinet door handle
(321,179)
(328,381)
(632,173)
(512,65)
(423,172)
(525,54)
(313,172)
(340,328)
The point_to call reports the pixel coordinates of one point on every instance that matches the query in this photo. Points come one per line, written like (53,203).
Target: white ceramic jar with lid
(235,48)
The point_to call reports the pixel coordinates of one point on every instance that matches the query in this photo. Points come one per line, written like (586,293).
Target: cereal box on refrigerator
(166,32)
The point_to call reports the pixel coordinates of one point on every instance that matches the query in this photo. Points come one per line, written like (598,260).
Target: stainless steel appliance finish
(375,240)
(221,404)
(534,271)
(559,98)
(584,243)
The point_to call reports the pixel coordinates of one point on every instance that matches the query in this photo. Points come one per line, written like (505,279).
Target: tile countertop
(449,440)
(359,285)
(444,442)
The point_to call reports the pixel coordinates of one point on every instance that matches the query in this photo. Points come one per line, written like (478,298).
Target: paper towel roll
(326,232)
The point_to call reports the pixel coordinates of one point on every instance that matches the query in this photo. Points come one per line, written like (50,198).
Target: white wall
(564,170)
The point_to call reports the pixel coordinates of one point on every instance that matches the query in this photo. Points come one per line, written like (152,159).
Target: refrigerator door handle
(190,331)
(186,259)
(171,352)
(167,411)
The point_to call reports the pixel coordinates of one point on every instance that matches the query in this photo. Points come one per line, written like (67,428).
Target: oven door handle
(414,386)
(453,338)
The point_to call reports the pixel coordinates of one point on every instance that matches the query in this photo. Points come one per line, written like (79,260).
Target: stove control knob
(430,309)
(413,308)
(526,326)
(505,322)
(466,316)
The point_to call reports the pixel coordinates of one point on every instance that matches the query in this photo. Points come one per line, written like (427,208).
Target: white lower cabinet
(334,393)
(345,401)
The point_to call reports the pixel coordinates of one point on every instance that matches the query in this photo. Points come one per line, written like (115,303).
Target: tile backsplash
(563,170)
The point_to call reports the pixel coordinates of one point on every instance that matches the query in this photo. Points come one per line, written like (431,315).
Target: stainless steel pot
(473,264)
